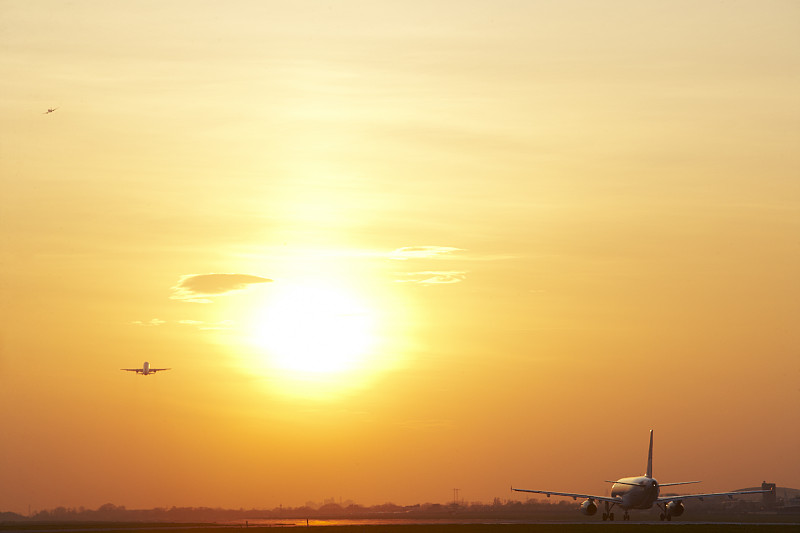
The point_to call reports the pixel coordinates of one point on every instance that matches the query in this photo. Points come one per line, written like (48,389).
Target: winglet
(650,457)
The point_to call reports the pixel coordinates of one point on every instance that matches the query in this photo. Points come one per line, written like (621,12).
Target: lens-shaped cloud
(201,288)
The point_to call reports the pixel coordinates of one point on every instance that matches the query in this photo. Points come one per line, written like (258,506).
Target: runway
(384,526)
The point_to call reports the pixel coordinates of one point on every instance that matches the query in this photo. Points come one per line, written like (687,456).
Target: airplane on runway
(638,493)
(145,370)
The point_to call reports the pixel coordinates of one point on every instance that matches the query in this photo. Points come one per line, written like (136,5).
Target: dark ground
(681,527)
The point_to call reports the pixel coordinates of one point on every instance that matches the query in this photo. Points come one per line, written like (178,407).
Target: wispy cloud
(434,277)
(200,288)
(151,322)
(422,252)
(199,324)
(426,424)
(207,326)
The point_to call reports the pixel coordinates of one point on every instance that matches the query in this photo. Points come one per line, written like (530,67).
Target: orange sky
(389,249)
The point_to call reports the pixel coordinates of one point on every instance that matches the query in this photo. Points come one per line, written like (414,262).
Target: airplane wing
(701,496)
(159,369)
(137,370)
(572,495)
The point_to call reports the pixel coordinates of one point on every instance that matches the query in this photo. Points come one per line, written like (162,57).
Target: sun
(312,330)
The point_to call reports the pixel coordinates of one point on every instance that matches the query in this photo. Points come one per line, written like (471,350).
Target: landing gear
(608,515)
(665,514)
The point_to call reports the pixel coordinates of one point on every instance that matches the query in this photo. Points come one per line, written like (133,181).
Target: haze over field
(393,248)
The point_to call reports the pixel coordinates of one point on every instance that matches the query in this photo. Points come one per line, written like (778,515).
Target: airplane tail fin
(650,457)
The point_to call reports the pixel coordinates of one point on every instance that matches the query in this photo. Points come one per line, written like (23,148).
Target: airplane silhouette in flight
(145,370)
(49,110)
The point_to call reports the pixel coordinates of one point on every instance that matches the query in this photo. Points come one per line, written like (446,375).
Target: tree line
(500,509)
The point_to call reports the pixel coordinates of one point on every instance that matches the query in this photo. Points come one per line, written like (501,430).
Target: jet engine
(675,508)
(589,507)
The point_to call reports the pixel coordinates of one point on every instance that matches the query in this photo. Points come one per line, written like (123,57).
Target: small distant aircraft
(49,110)
(145,370)
(638,493)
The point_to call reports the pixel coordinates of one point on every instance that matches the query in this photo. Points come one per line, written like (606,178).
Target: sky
(389,249)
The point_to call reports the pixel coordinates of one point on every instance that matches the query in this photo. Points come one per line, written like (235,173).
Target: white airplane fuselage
(145,368)
(636,492)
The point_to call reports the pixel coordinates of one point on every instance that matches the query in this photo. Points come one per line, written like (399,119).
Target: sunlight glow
(313,331)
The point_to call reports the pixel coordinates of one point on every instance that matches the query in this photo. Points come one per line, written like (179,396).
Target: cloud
(151,322)
(207,326)
(422,252)
(199,324)
(426,424)
(434,277)
(200,288)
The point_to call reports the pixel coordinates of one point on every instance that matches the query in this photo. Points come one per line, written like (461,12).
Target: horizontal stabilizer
(623,483)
